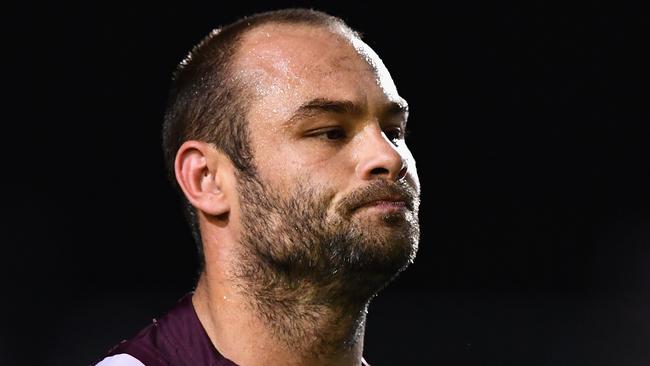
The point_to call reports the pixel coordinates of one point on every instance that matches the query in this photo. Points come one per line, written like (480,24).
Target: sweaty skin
(287,66)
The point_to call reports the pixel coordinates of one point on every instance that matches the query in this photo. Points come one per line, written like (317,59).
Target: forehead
(286,64)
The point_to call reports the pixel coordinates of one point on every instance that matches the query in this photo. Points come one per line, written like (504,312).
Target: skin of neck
(234,324)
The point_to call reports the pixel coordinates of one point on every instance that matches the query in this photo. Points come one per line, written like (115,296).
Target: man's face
(336,193)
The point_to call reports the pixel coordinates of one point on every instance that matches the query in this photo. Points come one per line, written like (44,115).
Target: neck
(274,324)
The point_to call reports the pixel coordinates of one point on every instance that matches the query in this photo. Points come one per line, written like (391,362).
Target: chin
(376,267)
(386,251)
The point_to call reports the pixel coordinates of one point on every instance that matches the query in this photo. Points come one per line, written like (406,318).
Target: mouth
(388,203)
(380,197)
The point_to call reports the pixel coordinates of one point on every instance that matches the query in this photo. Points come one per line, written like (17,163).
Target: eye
(394,133)
(335,134)
(329,134)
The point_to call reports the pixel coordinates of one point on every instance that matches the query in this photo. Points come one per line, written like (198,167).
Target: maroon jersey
(176,339)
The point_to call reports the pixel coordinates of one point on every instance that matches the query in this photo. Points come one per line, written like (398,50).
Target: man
(285,136)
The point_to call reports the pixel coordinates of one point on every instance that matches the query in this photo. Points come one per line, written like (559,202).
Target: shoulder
(173,339)
(147,348)
(122,359)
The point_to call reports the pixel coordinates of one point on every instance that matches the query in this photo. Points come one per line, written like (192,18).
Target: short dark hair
(206,104)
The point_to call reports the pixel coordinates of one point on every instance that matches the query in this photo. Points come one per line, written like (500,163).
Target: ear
(199,169)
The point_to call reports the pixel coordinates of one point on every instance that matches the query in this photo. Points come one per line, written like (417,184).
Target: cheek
(303,162)
(318,174)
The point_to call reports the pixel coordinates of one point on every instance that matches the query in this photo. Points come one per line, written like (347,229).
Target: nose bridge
(378,157)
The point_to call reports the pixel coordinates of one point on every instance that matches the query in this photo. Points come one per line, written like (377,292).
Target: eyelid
(323,131)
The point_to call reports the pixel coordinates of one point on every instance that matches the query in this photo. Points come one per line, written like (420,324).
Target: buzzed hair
(207,104)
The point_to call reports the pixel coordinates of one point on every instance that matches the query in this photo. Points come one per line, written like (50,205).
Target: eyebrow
(322,105)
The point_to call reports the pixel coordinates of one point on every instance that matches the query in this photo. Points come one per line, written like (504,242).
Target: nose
(379,157)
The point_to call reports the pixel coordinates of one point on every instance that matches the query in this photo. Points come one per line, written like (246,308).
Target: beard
(301,249)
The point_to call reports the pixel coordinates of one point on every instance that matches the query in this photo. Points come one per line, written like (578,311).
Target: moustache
(378,190)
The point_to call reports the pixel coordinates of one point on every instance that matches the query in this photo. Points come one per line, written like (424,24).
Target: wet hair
(207,104)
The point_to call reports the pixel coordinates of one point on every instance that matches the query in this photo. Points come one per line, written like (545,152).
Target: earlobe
(197,168)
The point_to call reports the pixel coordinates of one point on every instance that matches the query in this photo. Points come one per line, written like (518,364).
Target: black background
(529,123)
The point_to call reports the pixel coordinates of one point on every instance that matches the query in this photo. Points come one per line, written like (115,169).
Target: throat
(307,318)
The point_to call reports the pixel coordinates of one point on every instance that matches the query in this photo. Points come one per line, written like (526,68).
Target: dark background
(529,122)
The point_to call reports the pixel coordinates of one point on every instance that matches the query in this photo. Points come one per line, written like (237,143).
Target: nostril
(379,171)
(383,171)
